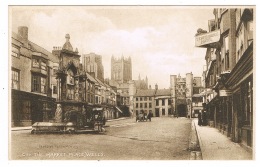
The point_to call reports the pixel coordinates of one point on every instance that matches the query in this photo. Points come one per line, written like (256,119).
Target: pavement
(216,146)
(30,127)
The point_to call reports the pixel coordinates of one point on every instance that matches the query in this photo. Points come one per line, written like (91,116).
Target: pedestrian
(199,119)
(149,116)
(204,118)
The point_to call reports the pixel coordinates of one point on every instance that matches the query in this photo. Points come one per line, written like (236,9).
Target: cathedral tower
(121,69)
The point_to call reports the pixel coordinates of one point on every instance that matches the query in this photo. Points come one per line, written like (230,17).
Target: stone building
(31,80)
(92,63)
(121,69)
(182,92)
(71,79)
(229,73)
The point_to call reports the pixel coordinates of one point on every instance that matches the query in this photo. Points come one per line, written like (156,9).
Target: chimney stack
(23,32)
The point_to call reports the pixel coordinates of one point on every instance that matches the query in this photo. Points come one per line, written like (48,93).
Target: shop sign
(225,93)
(207,38)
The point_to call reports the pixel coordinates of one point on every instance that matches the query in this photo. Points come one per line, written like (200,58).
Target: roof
(91,78)
(34,48)
(100,82)
(163,92)
(145,92)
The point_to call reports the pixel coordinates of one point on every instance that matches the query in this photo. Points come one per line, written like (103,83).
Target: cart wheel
(71,131)
(33,132)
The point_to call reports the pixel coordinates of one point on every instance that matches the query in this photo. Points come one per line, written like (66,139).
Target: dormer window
(36,62)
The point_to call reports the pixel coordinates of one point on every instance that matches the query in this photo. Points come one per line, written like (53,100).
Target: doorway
(181,109)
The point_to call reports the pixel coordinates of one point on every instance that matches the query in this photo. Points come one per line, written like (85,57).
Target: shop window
(15,79)
(247,101)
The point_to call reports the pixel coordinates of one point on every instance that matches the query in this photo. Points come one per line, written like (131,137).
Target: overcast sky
(160,40)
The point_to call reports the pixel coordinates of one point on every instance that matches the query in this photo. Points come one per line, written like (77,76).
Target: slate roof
(34,48)
(91,78)
(163,92)
(145,92)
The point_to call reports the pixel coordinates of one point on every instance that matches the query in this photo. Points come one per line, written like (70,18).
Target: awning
(119,109)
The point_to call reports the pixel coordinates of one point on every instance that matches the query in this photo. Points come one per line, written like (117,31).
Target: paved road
(161,139)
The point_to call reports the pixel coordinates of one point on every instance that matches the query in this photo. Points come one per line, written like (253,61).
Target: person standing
(204,118)
(199,119)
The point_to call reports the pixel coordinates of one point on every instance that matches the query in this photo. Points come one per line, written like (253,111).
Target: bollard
(198,155)
(193,155)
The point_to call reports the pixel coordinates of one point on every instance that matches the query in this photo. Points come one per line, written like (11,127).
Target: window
(136,105)
(157,102)
(43,85)
(15,79)
(145,105)
(226,51)
(54,89)
(36,63)
(150,98)
(169,102)
(141,105)
(145,98)
(227,60)
(163,111)
(39,84)
(163,102)
(136,99)
(141,99)
(35,83)
(150,105)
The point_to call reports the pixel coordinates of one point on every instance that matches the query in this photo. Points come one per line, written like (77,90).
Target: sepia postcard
(131,82)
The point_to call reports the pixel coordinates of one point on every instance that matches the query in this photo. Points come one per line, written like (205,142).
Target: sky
(159,39)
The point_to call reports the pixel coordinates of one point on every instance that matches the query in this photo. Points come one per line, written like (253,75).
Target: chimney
(23,32)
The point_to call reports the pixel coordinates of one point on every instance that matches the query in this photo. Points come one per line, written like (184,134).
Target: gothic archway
(182,110)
